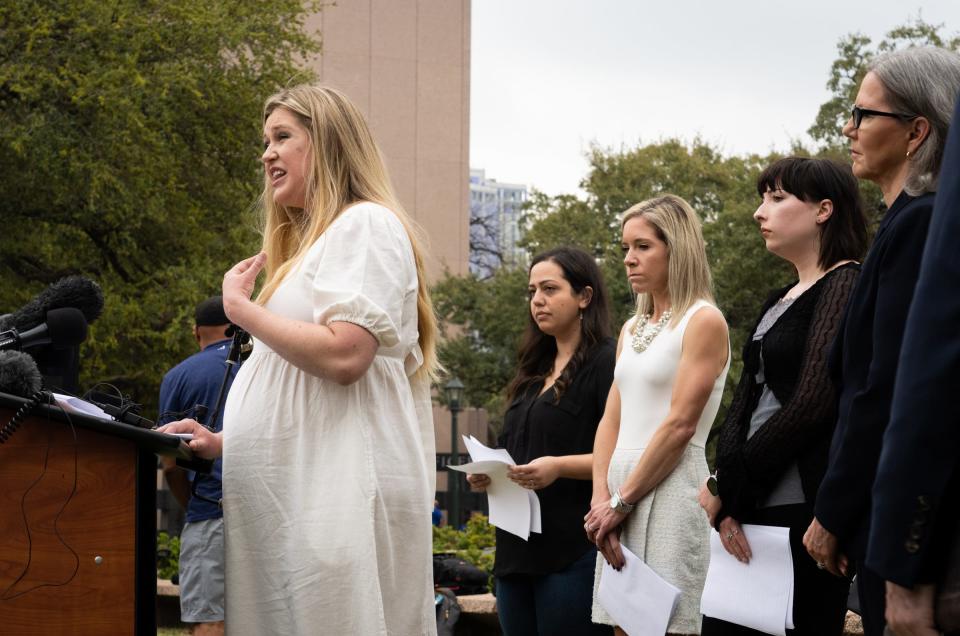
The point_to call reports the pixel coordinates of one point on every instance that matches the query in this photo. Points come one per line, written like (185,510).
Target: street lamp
(453,390)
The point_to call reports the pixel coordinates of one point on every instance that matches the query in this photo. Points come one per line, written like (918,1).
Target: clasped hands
(603,525)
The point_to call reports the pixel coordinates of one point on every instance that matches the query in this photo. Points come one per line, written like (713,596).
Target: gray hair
(923,81)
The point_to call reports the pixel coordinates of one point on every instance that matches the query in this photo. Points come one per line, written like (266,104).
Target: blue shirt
(194,381)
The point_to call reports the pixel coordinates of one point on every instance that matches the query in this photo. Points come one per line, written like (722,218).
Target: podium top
(145,439)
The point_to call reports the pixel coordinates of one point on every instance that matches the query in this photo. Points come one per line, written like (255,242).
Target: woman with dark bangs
(556,399)
(775,441)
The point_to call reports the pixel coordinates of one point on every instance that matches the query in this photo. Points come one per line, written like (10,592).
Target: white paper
(758,594)
(636,598)
(534,512)
(76,405)
(512,508)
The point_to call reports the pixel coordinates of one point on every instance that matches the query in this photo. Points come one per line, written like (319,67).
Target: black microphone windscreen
(19,374)
(67,326)
(73,291)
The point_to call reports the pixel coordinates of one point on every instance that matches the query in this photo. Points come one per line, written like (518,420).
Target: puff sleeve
(364,272)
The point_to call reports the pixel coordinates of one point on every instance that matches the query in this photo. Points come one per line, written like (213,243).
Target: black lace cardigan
(795,352)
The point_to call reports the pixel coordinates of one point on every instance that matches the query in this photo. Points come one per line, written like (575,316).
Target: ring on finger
(821,565)
(729,536)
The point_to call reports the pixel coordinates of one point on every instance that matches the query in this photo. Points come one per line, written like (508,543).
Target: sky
(549,78)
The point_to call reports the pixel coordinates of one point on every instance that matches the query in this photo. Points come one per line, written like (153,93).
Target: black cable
(26,409)
(56,530)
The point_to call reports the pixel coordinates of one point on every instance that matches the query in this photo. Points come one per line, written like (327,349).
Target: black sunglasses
(857,115)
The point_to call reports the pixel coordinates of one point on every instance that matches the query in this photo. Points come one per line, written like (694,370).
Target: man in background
(195,381)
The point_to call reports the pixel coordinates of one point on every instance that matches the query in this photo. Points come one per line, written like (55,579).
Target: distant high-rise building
(495,231)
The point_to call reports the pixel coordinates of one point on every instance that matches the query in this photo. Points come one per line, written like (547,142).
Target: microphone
(64,327)
(19,374)
(73,291)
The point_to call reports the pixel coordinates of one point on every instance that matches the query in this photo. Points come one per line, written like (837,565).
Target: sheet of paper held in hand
(512,508)
(636,598)
(758,594)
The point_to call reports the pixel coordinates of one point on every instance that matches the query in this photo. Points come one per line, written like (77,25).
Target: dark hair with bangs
(538,350)
(844,235)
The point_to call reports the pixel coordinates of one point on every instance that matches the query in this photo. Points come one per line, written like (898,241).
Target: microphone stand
(204,466)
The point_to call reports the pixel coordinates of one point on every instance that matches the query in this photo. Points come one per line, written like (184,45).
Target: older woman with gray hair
(897,131)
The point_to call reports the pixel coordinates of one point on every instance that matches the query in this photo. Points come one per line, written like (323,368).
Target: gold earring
(908,154)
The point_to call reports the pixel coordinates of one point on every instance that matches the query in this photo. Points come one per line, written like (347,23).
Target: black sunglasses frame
(857,114)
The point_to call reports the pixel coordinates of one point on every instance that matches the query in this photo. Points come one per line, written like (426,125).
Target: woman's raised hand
(238,283)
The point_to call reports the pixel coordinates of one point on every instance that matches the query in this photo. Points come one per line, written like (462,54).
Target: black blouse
(795,352)
(536,425)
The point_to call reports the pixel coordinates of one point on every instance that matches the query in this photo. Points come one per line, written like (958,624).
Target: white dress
(667,530)
(328,489)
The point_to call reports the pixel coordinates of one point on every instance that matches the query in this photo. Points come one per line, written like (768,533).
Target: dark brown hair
(844,235)
(538,350)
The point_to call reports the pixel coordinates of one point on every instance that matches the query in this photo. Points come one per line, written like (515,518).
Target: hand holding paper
(512,508)
(758,594)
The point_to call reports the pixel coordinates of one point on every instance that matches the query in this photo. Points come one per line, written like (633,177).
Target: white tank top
(645,381)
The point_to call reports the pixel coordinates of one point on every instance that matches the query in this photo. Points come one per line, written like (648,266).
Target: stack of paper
(758,594)
(77,405)
(512,508)
(636,598)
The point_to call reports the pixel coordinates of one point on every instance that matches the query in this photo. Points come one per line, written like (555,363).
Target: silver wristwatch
(619,505)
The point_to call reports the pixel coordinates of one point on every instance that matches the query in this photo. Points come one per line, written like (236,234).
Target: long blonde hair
(346,167)
(688,273)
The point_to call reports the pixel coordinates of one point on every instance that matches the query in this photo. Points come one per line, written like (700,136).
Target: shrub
(474,544)
(168,555)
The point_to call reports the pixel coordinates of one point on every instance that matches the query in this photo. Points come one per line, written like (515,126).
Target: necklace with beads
(641,337)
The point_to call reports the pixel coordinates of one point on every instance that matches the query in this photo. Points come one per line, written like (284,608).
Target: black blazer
(864,365)
(916,491)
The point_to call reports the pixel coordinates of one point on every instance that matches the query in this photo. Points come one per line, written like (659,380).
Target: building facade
(406,64)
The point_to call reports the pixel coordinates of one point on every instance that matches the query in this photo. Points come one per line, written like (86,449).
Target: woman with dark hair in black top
(773,447)
(556,399)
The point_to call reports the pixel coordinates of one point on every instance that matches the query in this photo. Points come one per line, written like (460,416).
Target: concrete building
(406,64)
(495,230)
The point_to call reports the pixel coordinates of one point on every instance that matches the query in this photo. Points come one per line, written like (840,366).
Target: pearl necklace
(642,340)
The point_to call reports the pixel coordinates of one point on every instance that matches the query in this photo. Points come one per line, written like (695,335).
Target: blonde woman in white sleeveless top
(672,360)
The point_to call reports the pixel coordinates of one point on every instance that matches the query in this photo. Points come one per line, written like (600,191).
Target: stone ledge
(166,588)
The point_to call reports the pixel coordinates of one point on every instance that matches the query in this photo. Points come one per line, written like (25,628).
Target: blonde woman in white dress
(672,360)
(328,439)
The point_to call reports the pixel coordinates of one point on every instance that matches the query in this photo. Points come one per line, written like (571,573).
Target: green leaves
(129,138)
(854,53)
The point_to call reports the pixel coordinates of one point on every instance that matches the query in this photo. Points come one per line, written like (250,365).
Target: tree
(492,313)
(129,136)
(854,53)
(721,189)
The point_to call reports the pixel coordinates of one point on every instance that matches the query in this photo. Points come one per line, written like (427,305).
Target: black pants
(819,598)
(872,590)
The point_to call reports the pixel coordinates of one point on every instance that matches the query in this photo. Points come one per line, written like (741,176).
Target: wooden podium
(78,523)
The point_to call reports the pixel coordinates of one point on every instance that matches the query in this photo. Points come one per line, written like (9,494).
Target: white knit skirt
(669,531)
